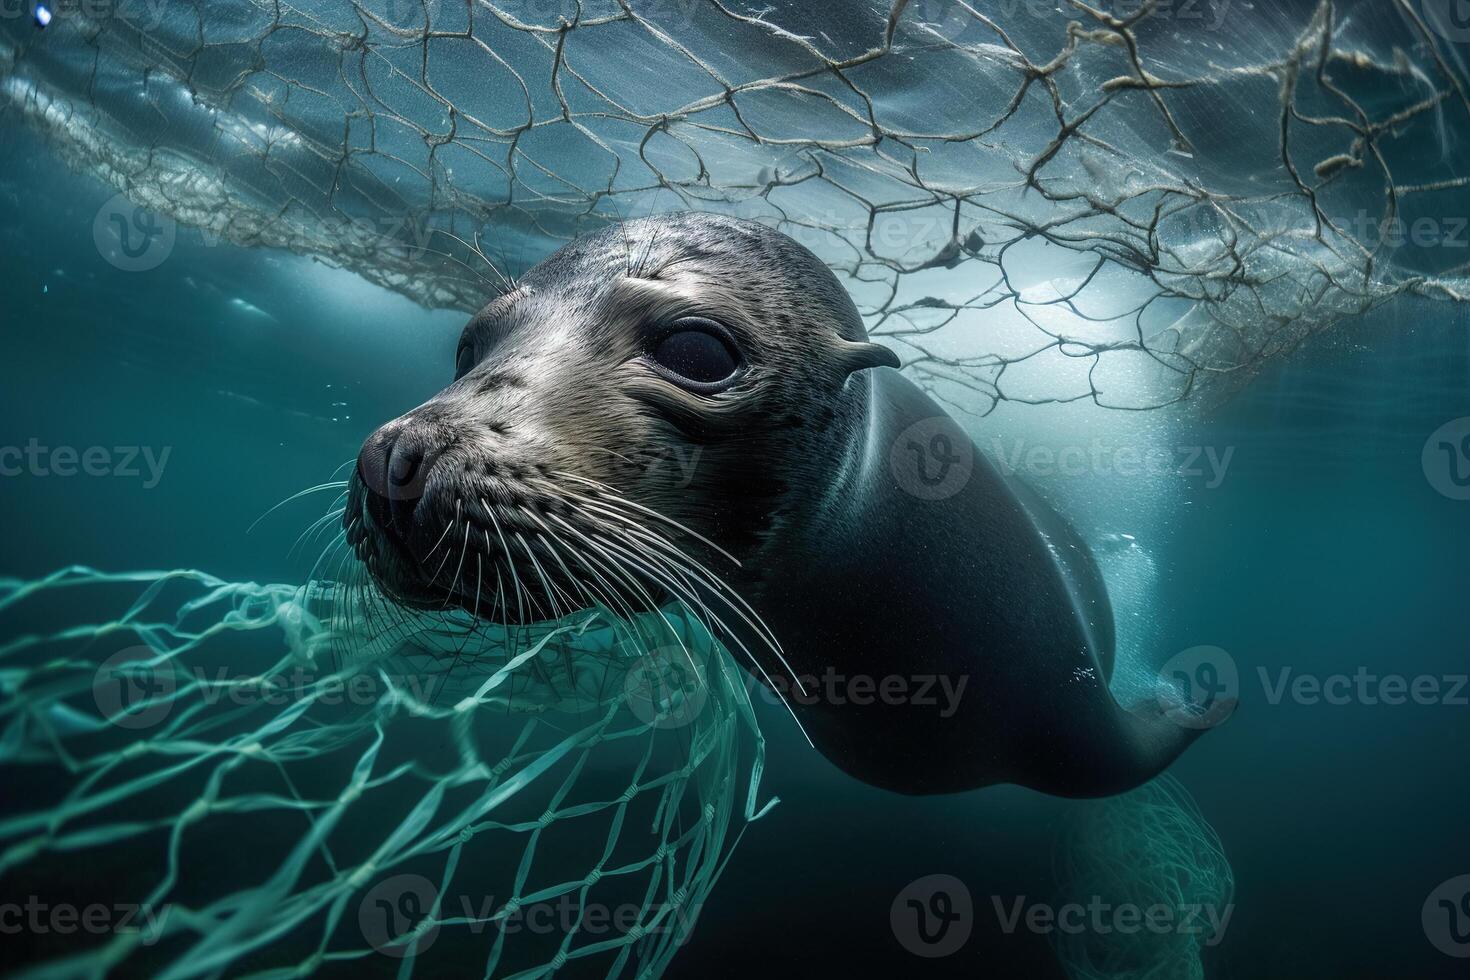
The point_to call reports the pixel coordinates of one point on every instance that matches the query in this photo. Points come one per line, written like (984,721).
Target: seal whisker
(607,601)
(509,561)
(430,553)
(556,553)
(753,620)
(504,282)
(714,582)
(653,606)
(463,549)
(541,574)
(314,528)
(445,560)
(751,657)
(335,484)
(610,493)
(654,577)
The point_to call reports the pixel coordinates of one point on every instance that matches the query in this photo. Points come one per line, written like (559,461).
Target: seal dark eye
(695,351)
(463,361)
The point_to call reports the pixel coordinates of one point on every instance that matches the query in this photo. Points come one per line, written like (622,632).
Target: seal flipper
(1141,740)
(1118,753)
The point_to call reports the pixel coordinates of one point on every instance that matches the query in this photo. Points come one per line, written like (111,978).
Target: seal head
(691,364)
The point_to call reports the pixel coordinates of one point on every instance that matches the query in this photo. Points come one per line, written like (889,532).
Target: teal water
(1324,549)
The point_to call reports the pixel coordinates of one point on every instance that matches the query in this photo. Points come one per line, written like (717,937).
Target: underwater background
(1306,525)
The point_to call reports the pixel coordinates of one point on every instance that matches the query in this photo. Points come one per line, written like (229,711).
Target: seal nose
(394,468)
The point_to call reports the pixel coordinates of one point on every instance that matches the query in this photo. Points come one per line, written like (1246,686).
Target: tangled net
(1148,849)
(272,813)
(1031,202)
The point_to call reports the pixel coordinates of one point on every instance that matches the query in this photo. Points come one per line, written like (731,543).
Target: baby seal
(688,407)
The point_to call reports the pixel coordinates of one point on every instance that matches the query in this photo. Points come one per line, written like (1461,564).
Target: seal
(687,407)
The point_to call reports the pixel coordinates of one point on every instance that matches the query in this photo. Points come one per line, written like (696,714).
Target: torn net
(1031,202)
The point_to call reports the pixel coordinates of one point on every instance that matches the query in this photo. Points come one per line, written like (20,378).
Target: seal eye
(695,353)
(463,361)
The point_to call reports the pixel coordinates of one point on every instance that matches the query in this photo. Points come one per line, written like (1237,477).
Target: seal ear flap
(858,355)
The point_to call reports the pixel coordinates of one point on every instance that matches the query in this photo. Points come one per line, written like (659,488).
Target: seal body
(688,407)
(950,637)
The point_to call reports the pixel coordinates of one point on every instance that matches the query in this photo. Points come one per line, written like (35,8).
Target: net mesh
(1146,853)
(268,820)
(1031,202)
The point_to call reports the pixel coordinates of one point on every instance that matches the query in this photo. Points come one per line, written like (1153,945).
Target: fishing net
(1032,202)
(1151,884)
(247,790)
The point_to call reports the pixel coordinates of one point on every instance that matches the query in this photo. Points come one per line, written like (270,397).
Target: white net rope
(267,815)
(1031,202)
